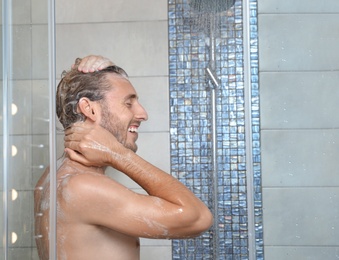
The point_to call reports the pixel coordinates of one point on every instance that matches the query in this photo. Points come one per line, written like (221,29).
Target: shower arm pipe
(52,132)
(213,85)
(248,130)
(216,240)
(7,71)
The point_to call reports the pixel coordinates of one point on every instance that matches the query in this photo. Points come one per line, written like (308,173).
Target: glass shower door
(24,121)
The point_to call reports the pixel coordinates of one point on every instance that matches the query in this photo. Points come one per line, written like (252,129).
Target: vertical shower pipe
(7,69)
(210,70)
(248,130)
(52,133)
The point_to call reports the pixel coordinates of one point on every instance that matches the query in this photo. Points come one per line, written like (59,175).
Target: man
(98,218)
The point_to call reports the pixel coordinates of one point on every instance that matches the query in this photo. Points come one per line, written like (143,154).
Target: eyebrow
(131,96)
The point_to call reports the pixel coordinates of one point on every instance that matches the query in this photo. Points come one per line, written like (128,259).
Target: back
(76,238)
(41,213)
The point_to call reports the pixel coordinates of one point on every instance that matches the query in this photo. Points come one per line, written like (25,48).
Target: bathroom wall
(299,75)
(134,35)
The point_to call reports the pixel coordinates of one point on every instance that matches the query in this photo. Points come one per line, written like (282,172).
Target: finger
(72,137)
(75,156)
(87,64)
(73,145)
(97,63)
(82,63)
(70,133)
(93,63)
(104,63)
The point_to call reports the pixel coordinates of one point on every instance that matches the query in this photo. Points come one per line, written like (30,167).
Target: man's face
(122,113)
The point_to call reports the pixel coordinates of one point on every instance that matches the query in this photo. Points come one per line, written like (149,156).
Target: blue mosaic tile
(191,125)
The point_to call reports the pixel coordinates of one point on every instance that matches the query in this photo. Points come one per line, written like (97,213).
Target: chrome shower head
(211,6)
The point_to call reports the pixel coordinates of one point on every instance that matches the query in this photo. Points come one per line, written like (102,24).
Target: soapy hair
(75,85)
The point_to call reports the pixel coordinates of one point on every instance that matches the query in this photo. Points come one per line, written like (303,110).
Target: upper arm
(99,200)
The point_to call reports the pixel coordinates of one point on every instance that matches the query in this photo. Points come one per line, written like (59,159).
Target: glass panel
(27,121)
(1,140)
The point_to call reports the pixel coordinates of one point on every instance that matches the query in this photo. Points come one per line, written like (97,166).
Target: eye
(128,103)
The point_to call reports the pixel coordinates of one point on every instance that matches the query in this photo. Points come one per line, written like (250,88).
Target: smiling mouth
(132,129)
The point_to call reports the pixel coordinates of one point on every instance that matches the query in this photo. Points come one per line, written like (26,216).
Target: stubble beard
(113,124)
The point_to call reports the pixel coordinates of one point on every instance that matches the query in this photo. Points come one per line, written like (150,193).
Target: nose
(141,113)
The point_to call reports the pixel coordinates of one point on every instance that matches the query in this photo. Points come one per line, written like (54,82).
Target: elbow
(204,222)
(194,225)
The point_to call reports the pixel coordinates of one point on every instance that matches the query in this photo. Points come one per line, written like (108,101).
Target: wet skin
(98,218)
(76,237)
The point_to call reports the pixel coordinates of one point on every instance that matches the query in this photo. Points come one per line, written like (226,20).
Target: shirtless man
(97,217)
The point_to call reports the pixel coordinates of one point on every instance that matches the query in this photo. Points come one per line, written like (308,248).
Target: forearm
(153,180)
(192,214)
(181,211)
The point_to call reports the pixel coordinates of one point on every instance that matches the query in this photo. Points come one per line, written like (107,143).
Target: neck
(66,159)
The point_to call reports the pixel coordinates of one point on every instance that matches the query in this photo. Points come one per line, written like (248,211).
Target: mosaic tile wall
(191,124)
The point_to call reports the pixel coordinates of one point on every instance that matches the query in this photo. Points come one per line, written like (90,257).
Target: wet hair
(75,85)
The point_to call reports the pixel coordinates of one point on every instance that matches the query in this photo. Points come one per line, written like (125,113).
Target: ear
(88,108)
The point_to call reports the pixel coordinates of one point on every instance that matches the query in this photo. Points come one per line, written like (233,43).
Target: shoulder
(79,183)
(82,196)
(77,177)
(89,187)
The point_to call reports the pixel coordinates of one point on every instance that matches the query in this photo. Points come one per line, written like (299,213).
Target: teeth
(133,130)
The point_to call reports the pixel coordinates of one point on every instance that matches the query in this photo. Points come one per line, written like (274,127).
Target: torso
(76,239)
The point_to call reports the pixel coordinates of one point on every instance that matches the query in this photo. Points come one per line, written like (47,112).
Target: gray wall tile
(298,253)
(20,219)
(300,158)
(155,253)
(20,165)
(140,48)
(40,61)
(20,12)
(21,48)
(300,6)
(299,99)
(298,90)
(78,11)
(301,216)
(20,92)
(40,11)
(298,42)
(40,108)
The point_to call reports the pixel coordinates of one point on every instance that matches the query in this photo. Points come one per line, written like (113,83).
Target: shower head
(211,6)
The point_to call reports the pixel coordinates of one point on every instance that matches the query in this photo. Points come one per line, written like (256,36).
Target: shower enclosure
(25,119)
(269,175)
(212,154)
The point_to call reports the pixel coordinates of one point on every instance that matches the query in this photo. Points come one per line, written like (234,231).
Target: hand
(93,63)
(91,145)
